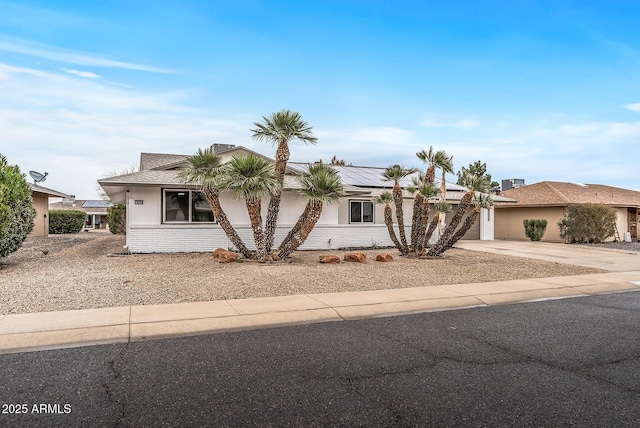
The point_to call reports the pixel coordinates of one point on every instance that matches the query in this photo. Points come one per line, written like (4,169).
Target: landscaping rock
(225,256)
(358,257)
(385,257)
(330,258)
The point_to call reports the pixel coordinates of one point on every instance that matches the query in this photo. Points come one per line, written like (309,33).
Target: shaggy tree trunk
(465,204)
(397,199)
(213,197)
(253,208)
(468,223)
(282,156)
(422,227)
(430,176)
(415,221)
(306,226)
(296,227)
(432,228)
(388,221)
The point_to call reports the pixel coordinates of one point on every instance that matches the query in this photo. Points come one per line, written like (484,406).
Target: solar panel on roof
(96,204)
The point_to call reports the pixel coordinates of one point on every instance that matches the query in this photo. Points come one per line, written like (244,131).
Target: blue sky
(540,90)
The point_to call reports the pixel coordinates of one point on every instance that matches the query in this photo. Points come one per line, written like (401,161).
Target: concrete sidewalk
(50,330)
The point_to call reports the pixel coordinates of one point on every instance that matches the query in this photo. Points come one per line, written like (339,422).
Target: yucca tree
(479,201)
(205,170)
(319,185)
(474,183)
(251,177)
(386,198)
(280,129)
(445,163)
(427,191)
(441,210)
(396,173)
(430,158)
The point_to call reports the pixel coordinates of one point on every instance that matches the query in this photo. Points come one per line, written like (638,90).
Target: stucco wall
(41,220)
(509,222)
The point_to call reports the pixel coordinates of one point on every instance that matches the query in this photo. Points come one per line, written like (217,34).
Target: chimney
(217,148)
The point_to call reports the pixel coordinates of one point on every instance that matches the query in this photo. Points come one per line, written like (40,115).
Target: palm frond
(249,176)
(283,127)
(384,198)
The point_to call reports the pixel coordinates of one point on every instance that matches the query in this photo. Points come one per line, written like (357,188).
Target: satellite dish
(37,177)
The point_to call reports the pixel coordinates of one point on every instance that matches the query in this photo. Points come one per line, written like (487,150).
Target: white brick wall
(206,238)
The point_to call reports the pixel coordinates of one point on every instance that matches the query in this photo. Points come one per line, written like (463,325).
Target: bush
(117,219)
(588,223)
(16,208)
(66,221)
(534,229)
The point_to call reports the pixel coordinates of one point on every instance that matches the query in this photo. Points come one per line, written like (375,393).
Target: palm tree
(205,171)
(251,177)
(441,209)
(280,128)
(428,157)
(396,173)
(320,185)
(428,191)
(386,198)
(445,163)
(479,201)
(474,183)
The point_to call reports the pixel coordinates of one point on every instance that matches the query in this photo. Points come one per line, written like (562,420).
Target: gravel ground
(78,273)
(626,247)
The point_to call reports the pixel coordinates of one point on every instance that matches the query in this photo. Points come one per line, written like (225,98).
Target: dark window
(186,206)
(361,212)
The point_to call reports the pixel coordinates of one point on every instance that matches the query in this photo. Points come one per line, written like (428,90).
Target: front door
(632,215)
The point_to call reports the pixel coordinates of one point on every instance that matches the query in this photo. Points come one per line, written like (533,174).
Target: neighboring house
(549,199)
(41,195)
(164,215)
(96,210)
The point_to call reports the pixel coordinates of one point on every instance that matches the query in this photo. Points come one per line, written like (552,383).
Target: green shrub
(588,223)
(534,229)
(117,219)
(16,208)
(66,221)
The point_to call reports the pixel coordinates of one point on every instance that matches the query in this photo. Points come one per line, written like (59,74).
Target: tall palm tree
(396,173)
(474,183)
(386,198)
(205,171)
(428,157)
(445,163)
(428,191)
(280,129)
(251,177)
(320,185)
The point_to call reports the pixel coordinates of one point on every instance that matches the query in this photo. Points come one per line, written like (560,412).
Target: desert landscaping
(87,270)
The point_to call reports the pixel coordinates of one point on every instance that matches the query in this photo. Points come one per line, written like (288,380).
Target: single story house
(96,210)
(165,215)
(549,199)
(41,195)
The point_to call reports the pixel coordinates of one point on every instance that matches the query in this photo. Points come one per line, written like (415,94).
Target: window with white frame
(360,212)
(186,206)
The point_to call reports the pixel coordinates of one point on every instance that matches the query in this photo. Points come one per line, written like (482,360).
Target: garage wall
(509,222)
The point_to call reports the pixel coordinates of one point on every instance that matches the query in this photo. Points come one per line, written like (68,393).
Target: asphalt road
(553,363)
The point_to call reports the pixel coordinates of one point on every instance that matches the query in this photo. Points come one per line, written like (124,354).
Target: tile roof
(41,189)
(93,206)
(553,193)
(159,160)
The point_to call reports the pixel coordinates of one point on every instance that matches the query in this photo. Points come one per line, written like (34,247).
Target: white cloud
(633,107)
(85,74)
(72,57)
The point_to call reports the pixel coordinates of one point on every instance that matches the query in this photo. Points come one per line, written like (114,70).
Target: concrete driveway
(615,261)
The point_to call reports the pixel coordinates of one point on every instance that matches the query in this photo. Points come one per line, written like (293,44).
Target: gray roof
(159,160)
(47,191)
(369,176)
(96,203)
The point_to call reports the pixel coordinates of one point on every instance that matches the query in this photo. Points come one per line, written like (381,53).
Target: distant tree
(16,208)
(339,162)
(66,221)
(117,219)
(479,169)
(114,172)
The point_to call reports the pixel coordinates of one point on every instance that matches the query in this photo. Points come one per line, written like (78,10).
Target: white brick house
(164,215)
